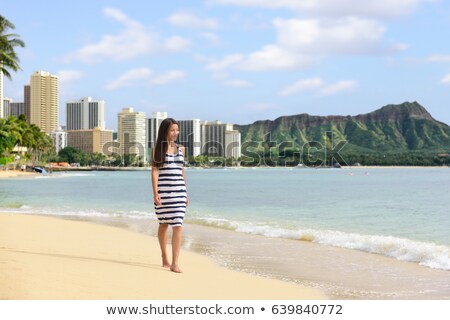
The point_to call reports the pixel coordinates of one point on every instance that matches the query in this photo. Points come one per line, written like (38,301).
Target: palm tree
(8,41)
(10,134)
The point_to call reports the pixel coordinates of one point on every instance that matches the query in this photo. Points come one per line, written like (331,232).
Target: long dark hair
(162,144)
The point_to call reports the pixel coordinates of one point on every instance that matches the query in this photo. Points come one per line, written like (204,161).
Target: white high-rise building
(11,108)
(44,101)
(16,109)
(59,138)
(85,114)
(153,124)
(232,144)
(190,137)
(6,107)
(131,132)
(1,94)
(220,140)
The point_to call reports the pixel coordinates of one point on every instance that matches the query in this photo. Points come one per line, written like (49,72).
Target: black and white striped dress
(172,190)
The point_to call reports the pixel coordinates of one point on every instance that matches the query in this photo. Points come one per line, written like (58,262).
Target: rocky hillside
(396,128)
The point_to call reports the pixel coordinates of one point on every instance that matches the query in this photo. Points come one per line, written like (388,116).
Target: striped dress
(172,190)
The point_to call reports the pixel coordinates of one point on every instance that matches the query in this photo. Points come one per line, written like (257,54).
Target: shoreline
(337,273)
(4,174)
(139,169)
(342,273)
(53,258)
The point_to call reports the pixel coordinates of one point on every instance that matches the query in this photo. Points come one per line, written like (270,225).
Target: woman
(169,190)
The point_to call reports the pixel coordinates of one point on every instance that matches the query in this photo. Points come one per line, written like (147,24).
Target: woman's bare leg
(163,238)
(176,247)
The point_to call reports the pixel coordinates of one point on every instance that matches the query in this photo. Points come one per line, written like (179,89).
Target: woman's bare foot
(165,263)
(175,269)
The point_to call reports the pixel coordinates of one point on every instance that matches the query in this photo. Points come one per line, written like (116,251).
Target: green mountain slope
(393,128)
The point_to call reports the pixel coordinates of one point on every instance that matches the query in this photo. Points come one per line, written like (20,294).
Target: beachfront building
(6,107)
(91,140)
(220,139)
(16,109)
(153,124)
(232,144)
(11,108)
(27,102)
(59,137)
(85,114)
(190,137)
(44,100)
(132,135)
(1,94)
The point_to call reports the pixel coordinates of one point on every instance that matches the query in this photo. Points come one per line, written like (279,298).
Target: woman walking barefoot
(169,190)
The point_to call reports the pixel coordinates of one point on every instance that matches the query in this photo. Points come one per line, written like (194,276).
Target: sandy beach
(51,258)
(15,174)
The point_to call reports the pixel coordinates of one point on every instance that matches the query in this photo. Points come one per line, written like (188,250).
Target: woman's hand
(157,199)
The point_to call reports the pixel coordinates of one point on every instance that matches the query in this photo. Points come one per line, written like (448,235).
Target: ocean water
(400,213)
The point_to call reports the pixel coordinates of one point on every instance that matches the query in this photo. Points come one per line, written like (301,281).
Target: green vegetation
(8,41)
(404,134)
(18,133)
(72,156)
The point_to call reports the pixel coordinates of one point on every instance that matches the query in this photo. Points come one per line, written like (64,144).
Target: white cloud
(168,77)
(318,86)
(175,44)
(226,62)
(130,78)
(188,20)
(446,79)
(219,75)
(302,85)
(370,8)
(438,58)
(68,76)
(211,38)
(338,87)
(302,43)
(270,57)
(132,41)
(238,83)
(145,77)
(326,37)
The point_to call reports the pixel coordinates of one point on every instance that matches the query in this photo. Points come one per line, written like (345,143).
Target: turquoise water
(399,212)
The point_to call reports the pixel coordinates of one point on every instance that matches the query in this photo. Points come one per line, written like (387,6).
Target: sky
(238,61)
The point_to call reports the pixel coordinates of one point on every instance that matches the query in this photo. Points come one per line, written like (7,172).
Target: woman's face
(172,133)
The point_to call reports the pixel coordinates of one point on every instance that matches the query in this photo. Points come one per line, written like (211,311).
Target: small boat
(39,170)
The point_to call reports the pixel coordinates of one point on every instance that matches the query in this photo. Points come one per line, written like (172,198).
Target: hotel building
(27,102)
(90,140)
(153,124)
(132,136)
(59,138)
(11,108)
(220,139)
(44,99)
(17,109)
(85,114)
(1,95)
(6,107)
(190,137)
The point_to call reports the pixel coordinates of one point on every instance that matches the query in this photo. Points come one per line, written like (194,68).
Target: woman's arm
(155,173)
(184,177)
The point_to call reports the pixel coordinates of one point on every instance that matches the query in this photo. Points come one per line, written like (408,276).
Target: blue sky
(238,61)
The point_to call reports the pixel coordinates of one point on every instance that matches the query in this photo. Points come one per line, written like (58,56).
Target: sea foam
(428,254)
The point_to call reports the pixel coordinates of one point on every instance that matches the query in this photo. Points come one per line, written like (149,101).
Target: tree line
(18,133)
